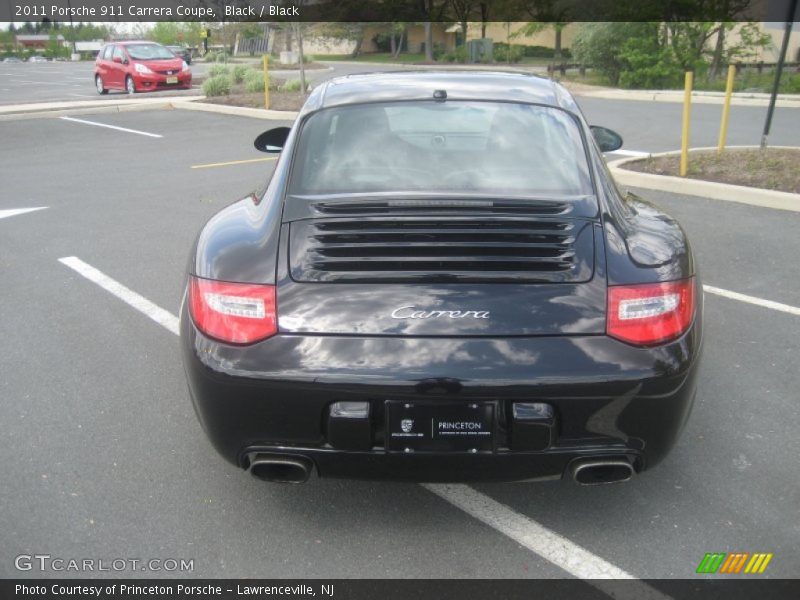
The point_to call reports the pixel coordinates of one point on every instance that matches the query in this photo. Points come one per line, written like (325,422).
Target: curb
(276,69)
(57,109)
(673,96)
(241,111)
(706,189)
(42,114)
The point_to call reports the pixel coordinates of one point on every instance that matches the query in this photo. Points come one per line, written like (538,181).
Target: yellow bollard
(266,82)
(726,109)
(687,109)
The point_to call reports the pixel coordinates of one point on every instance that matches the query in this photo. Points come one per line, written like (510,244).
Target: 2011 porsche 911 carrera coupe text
(441,282)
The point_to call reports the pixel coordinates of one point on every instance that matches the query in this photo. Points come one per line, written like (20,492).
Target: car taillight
(650,313)
(237,313)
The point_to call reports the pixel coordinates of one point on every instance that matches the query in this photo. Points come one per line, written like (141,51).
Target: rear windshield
(148,52)
(453,146)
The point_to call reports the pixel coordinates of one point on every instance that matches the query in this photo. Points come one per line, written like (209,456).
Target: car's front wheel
(130,86)
(98,83)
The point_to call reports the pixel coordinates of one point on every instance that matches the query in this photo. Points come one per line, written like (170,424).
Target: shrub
(217,70)
(293,85)
(240,73)
(647,65)
(382,41)
(504,53)
(219,85)
(253,80)
(458,55)
(543,52)
(222,56)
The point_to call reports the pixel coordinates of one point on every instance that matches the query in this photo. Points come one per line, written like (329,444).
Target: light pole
(778,69)
(71,26)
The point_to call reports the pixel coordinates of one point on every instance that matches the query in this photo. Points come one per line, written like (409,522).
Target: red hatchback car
(139,67)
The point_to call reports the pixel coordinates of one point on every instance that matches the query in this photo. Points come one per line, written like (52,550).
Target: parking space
(22,83)
(102,448)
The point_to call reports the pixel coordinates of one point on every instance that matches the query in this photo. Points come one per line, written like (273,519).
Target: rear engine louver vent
(441,248)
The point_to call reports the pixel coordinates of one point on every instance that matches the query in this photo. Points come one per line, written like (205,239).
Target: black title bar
(702,587)
(19,11)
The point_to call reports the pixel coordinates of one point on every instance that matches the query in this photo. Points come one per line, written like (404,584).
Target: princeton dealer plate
(439,426)
(172,80)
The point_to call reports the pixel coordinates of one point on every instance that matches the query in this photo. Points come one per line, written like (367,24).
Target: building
(37,41)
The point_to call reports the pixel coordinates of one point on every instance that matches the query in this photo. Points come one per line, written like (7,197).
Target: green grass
(749,79)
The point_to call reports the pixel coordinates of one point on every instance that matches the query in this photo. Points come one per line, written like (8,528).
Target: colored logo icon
(734,563)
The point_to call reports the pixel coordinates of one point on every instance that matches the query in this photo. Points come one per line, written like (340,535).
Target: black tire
(130,85)
(99,86)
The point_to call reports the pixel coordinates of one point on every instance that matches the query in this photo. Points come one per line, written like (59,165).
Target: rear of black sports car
(441,283)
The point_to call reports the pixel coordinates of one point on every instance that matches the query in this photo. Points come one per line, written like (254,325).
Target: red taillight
(237,313)
(650,313)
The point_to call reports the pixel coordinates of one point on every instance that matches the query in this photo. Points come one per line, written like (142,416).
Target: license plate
(439,427)
(172,80)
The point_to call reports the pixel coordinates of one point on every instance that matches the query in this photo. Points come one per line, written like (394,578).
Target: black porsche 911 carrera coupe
(441,282)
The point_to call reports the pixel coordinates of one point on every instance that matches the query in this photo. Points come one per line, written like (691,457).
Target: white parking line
(164,318)
(792,310)
(555,548)
(125,129)
(12,212)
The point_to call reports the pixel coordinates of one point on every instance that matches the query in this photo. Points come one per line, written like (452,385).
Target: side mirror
(273,140)
(117,59)
(606,139)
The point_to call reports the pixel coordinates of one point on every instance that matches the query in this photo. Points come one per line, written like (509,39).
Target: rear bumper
(610,399)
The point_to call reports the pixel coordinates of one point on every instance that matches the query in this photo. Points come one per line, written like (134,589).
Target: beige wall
(323,45)
(416,37)
(499,32)
(775,31)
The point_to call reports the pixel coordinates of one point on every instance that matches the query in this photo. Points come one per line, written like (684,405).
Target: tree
(533,27)
(598,45)
(655,54)
(298,32)
(396,34)
(352,32)
(463,11)
(434,11)
(484,17)
(165,32)
(250,31)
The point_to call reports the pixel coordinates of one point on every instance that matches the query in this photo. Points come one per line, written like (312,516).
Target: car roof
(460,85)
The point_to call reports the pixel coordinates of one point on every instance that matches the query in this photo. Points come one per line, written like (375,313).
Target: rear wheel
(98,83)
(130,86)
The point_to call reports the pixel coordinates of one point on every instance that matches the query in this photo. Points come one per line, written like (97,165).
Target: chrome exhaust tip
(600,471)
(280,468)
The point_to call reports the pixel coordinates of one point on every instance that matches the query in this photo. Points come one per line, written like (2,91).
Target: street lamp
(778,69)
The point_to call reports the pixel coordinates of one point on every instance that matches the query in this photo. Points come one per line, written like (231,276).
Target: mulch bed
(770,168)
(277,100)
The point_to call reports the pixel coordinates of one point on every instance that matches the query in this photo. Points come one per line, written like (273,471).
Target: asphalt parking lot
(103,456)
(68,81)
